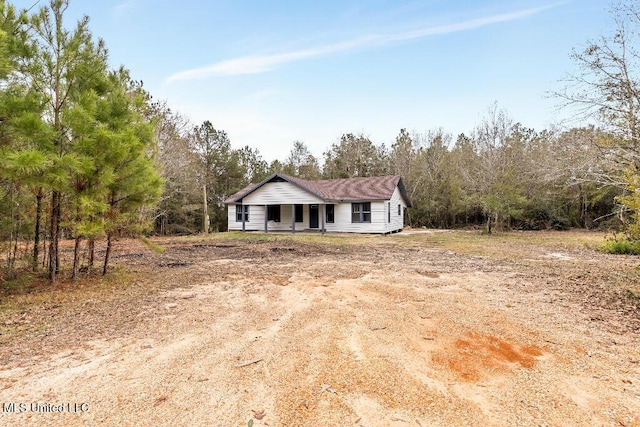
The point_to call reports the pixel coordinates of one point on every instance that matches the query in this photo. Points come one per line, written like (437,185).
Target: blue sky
(271,72)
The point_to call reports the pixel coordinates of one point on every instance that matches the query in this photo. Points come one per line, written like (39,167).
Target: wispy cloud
(123,9)
(254,64)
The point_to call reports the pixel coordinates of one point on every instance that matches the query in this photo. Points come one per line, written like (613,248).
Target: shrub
(620,246)
(561,224)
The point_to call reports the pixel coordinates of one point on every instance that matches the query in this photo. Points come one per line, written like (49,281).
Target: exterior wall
(343,219)
(273,193)
(256,219)
(397,221)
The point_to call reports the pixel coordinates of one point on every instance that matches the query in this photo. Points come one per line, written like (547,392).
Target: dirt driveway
(381,332)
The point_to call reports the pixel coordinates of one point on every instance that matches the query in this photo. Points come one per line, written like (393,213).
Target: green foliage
(354,156)
(192,157)
(631,201)
(152,246)
(620,245)
(301,163)
(633,295)
(71,128)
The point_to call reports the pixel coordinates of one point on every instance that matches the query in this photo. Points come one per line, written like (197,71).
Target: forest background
(87,153)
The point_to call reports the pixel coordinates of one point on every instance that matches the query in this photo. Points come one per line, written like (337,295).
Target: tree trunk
(107,254)
(584,208)
(13,248)
(36,238)
(54,258)
(44,246)
(15,252)
(205,220)
(10,258)
(91,249)
(489,224)
(76,259)
(25,252)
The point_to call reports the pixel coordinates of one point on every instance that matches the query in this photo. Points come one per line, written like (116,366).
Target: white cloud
(254,64)
(123,9)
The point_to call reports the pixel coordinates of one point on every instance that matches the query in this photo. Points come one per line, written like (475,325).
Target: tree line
(501,175)
(86,153)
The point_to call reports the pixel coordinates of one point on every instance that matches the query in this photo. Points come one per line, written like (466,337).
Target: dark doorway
(313,216)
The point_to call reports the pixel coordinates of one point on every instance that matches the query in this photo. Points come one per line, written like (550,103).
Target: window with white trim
(239,209)
(361,212)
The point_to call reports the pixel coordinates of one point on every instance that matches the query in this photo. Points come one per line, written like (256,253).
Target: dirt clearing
(409,330)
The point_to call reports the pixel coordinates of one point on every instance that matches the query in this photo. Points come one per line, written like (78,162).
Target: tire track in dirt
(337,340)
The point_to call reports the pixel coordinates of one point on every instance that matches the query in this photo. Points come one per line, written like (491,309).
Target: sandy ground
(290,334)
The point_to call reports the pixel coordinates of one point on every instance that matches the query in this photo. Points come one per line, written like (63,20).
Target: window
(330,214)
(239,209)
(389,212)
(361,212)
(273,213)
(299,214)
(399,210)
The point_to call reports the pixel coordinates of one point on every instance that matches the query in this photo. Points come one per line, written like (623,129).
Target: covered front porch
(284,217)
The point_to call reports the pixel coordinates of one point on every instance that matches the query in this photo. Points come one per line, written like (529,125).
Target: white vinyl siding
(256,218)
(397,221)
(343,219)
(274,193)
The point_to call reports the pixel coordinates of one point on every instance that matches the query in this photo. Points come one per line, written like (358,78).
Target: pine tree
(64,69)
(21,164)
(135,183)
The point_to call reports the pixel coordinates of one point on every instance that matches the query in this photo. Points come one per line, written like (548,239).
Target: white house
(285,203)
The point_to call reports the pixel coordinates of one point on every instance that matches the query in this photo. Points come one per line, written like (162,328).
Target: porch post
(265,219)
(243,215)
(323,215)
(293,218)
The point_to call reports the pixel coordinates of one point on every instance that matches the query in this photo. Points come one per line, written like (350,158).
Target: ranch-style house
(285,203)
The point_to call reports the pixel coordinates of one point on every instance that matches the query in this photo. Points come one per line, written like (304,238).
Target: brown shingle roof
(336,190)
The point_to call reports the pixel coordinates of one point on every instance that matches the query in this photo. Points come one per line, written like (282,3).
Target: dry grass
(445,327)
(502,245)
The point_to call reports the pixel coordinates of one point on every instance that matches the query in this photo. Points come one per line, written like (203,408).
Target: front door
(313,216)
